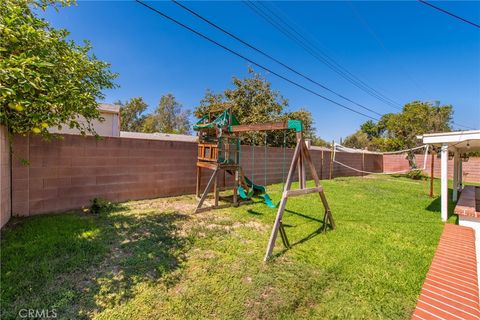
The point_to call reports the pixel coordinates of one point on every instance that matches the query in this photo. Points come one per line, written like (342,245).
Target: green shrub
(100,205)
(416,174)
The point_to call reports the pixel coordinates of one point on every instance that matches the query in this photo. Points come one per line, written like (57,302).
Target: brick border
(450,290)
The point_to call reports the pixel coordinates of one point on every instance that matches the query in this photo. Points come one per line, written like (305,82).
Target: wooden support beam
(207,189)
(207,165)
(260,127)
(327,217)
(301,166)
(199,181)
(300,192)
(216,191)
(283,203)
(301,154)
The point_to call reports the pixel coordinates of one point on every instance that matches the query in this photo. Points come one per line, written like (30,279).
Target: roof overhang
(463,141)
(108,108)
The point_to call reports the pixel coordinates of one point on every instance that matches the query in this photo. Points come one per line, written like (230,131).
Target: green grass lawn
(153,259)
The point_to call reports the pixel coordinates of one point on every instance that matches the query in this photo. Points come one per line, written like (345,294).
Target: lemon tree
(46,80)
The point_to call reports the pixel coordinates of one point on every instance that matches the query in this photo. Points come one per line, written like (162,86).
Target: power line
(249,60)
(270,57)
(449,13)
(294,35)
(305,44)
(462,125)
(343,71)
(363,21)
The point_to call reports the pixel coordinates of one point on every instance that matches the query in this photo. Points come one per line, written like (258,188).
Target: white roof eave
(450,137)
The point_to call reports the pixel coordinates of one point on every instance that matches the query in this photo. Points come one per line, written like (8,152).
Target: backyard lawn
(153,259)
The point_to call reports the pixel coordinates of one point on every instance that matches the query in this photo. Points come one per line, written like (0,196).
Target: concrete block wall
(471,168)
(66,174)
(5,203)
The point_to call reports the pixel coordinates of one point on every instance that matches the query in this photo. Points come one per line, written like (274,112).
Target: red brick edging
(450,290)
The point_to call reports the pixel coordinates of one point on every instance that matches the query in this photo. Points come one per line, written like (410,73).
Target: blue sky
(405,50)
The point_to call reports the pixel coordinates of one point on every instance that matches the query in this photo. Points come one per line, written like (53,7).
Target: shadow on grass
(436,205)
(303,240)
(254,212)
(285,225)
(81,264)
(257,213)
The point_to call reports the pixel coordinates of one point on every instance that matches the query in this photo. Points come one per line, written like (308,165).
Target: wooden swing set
(219,149)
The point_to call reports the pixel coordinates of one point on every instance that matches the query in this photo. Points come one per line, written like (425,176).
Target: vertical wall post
(331,159)
(363,163)
(321,165)
(444,181)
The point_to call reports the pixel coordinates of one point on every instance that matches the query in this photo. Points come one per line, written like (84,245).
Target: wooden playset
(219,150)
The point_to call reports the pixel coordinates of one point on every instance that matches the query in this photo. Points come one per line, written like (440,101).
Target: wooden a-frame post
(301,157)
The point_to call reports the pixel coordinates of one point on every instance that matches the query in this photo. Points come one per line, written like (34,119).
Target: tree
(370,128)
(253,100)
(358,140)
(131,113)
(45,79)
(309,130)
(168,117)
(397,131)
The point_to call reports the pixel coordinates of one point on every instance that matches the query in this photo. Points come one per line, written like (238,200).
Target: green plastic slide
(255,188)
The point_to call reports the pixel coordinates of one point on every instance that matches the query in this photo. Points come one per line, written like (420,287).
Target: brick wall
(68,173)
(5,203)
(471,168)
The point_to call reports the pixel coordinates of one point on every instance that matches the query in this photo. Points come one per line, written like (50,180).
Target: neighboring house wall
(5,201)
(68,173)
(110,127)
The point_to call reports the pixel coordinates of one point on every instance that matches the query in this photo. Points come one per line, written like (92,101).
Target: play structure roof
(225,119)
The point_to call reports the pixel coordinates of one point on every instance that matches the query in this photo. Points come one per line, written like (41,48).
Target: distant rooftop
(158,136)
(109,108)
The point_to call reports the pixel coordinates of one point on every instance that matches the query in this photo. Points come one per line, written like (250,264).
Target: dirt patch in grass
(153,259)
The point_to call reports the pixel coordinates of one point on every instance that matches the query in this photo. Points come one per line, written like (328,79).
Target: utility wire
(304,44)
(294,35)
(249,60)
(363,21)
(330,61)
(449,13)
(270,57)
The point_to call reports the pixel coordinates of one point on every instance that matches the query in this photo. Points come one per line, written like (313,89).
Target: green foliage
(416,175)
(168,117)
(358,140)
(100,205)
(45,79)
(253,100)
(398,131)
(131,114)
(370,128)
